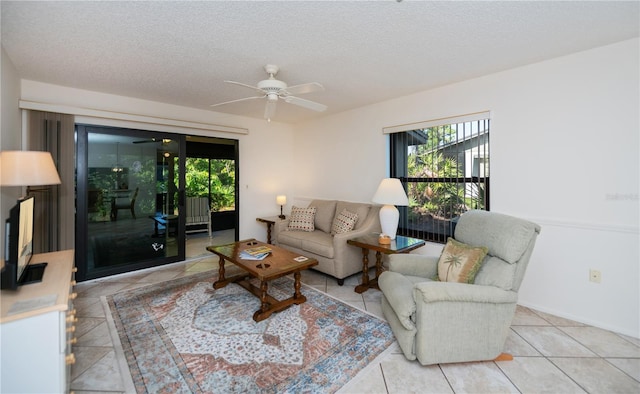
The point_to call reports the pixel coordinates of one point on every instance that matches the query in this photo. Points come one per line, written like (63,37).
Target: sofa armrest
(278,227)
(414,265)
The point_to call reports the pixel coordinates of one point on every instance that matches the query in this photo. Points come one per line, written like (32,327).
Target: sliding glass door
(130,188)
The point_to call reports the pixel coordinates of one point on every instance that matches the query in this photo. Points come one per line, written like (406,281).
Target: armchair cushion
(460,262)
(302,219)
(343,222)
(496,272)
(505,236)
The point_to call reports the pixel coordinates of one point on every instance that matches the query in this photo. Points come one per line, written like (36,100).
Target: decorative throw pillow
(345,221)
(302,219)
(460,262)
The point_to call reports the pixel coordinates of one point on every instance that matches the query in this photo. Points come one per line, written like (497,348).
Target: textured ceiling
(362,52)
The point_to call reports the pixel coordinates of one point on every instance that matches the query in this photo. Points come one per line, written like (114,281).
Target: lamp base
(389,216)
(282,216)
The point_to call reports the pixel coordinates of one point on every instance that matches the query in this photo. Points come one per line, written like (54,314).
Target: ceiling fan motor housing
(271,86)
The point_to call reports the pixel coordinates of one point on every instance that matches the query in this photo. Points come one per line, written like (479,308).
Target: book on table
(257,253)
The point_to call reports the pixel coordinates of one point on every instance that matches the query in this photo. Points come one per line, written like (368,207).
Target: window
(444,166)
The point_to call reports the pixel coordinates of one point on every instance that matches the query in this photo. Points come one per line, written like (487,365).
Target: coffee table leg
(297,295)
(361,288)
(265,308)
(221,282)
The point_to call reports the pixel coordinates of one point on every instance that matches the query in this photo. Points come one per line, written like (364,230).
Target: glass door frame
(82,197)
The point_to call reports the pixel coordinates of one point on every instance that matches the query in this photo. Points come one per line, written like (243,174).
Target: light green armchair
(443,322)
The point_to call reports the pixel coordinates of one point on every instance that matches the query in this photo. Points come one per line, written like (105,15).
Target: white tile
(526,317)
(630,366)
(537,375)
(88,307)
(603,342)
(369,381)
(550,341)
(86,357)
(102,376)
(344,293)
(479,377)
(516,346)
(374,308)
(596,375)
(98,336)
(557,321)
(404,376)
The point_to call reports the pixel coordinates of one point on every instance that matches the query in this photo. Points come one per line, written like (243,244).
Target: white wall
(265,153)
(10,136)
(564,153)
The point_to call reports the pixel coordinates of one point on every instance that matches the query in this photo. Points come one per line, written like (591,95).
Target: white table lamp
(27,168)
(390,193)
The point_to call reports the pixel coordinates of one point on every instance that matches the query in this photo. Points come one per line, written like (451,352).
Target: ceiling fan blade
(235,101)
(270,109)
(312,105)
(305,88)
(245,85)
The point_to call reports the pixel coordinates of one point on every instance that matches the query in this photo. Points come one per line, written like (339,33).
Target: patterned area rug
(184,336)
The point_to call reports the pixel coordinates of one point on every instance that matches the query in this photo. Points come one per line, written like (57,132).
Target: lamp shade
(27,168)
(281,200)
(391,192)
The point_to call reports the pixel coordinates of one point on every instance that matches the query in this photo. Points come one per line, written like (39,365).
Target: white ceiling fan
(273,89)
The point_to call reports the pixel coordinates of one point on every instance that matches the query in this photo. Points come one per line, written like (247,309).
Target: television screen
(25,235)
(19,247)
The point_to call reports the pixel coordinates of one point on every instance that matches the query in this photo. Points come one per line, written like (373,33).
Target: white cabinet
(36,329)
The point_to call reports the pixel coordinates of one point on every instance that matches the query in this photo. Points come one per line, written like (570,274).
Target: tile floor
(551,354)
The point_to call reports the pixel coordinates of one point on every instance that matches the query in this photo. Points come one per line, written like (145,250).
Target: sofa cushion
(362,210)
(320,243)
(344,222)
(325,211)
(460,262)
(317,242)
(302,219)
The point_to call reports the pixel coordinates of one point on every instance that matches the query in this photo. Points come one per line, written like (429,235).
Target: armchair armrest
(462,292)
(414,265)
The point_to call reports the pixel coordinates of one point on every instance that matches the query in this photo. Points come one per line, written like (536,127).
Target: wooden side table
(270,221)
(370,242)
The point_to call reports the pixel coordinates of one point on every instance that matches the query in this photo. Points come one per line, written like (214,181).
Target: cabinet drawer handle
(73,296)
(70,359)
(75,269)
(73,283)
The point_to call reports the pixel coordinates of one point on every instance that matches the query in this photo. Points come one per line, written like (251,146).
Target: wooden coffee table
(279,263)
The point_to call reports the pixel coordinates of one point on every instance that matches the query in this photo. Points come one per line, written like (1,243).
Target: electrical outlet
(595,276)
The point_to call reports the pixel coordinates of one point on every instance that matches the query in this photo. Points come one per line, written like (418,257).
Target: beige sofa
(335,257)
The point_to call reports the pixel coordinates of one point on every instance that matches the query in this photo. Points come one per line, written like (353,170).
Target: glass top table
(370,242)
